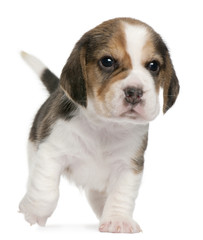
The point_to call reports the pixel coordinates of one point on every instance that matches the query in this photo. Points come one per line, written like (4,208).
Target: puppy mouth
(132,111)
(132,114)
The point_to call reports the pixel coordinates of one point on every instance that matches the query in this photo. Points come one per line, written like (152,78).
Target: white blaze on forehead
(136,37)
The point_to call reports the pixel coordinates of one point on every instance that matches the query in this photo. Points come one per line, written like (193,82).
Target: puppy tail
(50,80)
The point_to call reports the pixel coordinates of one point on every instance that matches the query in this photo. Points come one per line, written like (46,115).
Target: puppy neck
(96,121)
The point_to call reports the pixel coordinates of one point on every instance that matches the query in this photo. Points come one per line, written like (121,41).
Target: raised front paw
(119,224)
(33,212)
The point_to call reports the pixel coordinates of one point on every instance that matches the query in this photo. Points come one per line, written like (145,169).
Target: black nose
(133,95)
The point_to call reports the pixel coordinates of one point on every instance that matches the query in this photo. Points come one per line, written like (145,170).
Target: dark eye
(107,62)
(153,66)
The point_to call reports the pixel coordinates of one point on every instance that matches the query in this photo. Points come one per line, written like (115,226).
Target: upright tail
(50,80)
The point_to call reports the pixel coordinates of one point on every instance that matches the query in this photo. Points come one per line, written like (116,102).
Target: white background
(170,202)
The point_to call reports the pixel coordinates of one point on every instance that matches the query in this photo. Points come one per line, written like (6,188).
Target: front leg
(118,210)
(42,191)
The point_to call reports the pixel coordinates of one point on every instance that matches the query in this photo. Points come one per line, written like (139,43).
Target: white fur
(136,37)
(37,66)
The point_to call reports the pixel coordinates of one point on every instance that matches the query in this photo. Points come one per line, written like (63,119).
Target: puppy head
(117,69)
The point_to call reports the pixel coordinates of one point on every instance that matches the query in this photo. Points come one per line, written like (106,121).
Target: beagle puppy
(93,128)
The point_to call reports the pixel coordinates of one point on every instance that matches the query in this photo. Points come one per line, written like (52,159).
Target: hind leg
(97,201)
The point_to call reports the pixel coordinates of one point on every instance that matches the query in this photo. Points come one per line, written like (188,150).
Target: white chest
(93,155)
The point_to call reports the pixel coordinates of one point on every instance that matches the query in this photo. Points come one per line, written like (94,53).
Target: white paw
(119,225)
(34,212)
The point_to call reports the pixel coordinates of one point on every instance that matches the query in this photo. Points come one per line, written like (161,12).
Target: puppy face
(117,69)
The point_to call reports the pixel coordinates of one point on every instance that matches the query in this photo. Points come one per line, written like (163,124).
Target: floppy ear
(170,85)
(73,76)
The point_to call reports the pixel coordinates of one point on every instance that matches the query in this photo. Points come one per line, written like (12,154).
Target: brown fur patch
(106,87)
(149,53)
(138,160)
(100,81)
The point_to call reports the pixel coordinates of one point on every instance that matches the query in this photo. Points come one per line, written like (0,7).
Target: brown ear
(170,85)
(73,76)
